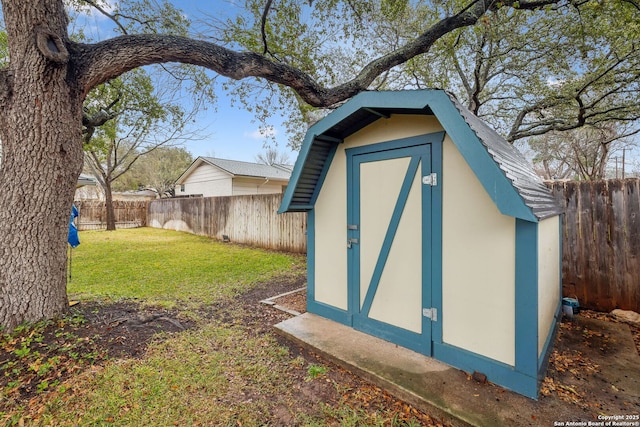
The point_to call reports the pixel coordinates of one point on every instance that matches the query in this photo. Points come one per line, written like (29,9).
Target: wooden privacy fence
(251,220)
(601,232)
(129,214)
(601,242)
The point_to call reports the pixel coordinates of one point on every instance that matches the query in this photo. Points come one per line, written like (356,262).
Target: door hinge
(431,313)
(431,179)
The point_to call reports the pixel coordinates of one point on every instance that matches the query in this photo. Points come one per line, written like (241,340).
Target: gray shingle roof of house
(522,194)
(85,180)
(239,168)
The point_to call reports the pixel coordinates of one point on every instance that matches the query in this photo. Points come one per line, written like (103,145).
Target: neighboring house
(135,196)
(87,189)
(209,176)
(86,180)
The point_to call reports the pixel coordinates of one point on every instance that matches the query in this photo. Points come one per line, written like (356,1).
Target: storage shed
(429,230)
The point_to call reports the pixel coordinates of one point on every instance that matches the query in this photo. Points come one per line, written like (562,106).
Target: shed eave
(196,164)
(312,164)
(367,107)
(190,169)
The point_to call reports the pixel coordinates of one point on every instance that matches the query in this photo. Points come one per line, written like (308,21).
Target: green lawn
(227,369)
(166,268)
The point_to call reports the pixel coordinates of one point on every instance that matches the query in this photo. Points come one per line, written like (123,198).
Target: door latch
(351,241)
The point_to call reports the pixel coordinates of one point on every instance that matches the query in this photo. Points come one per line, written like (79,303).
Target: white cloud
(554,82)
(108,5)
(262,133)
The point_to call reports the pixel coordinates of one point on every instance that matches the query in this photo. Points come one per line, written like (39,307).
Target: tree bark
(40,129)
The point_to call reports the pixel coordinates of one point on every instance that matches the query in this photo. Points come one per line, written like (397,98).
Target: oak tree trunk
(40,130)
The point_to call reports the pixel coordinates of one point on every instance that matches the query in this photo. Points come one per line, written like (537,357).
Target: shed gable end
(504,173)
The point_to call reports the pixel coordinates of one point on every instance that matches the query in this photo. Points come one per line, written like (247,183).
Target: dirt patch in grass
(95,334)
(339,390)
(296,301)
(38,358)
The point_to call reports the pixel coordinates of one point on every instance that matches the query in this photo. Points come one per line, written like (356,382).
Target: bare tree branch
(634,3)
(263,25)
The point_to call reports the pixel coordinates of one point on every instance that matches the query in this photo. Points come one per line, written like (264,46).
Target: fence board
(601,242)
(251,220)
(93,214)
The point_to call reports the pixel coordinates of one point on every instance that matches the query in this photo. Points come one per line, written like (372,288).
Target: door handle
(351,241)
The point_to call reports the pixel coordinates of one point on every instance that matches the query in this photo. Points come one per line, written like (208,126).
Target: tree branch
(461,73)
(478,75)
(263,25)
(97,63)
(585,113)
(634,3)
(97,119)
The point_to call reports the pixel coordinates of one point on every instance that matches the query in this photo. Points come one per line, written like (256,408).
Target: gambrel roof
(505,174)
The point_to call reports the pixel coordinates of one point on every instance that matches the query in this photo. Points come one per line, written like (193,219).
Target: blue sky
(226,131)
(230,131)
(233,133)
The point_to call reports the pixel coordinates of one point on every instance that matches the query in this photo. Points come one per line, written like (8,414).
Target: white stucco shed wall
(478,271)
(548,276)
(330,259)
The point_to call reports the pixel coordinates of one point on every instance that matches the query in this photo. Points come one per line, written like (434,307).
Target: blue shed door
(389,241)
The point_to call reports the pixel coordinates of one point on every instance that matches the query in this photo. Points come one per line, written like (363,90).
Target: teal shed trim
(505,175)
(526,303)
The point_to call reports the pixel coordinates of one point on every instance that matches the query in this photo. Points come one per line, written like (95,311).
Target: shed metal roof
(506,175)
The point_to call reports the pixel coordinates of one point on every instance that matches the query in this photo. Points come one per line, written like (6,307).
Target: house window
(182,188)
